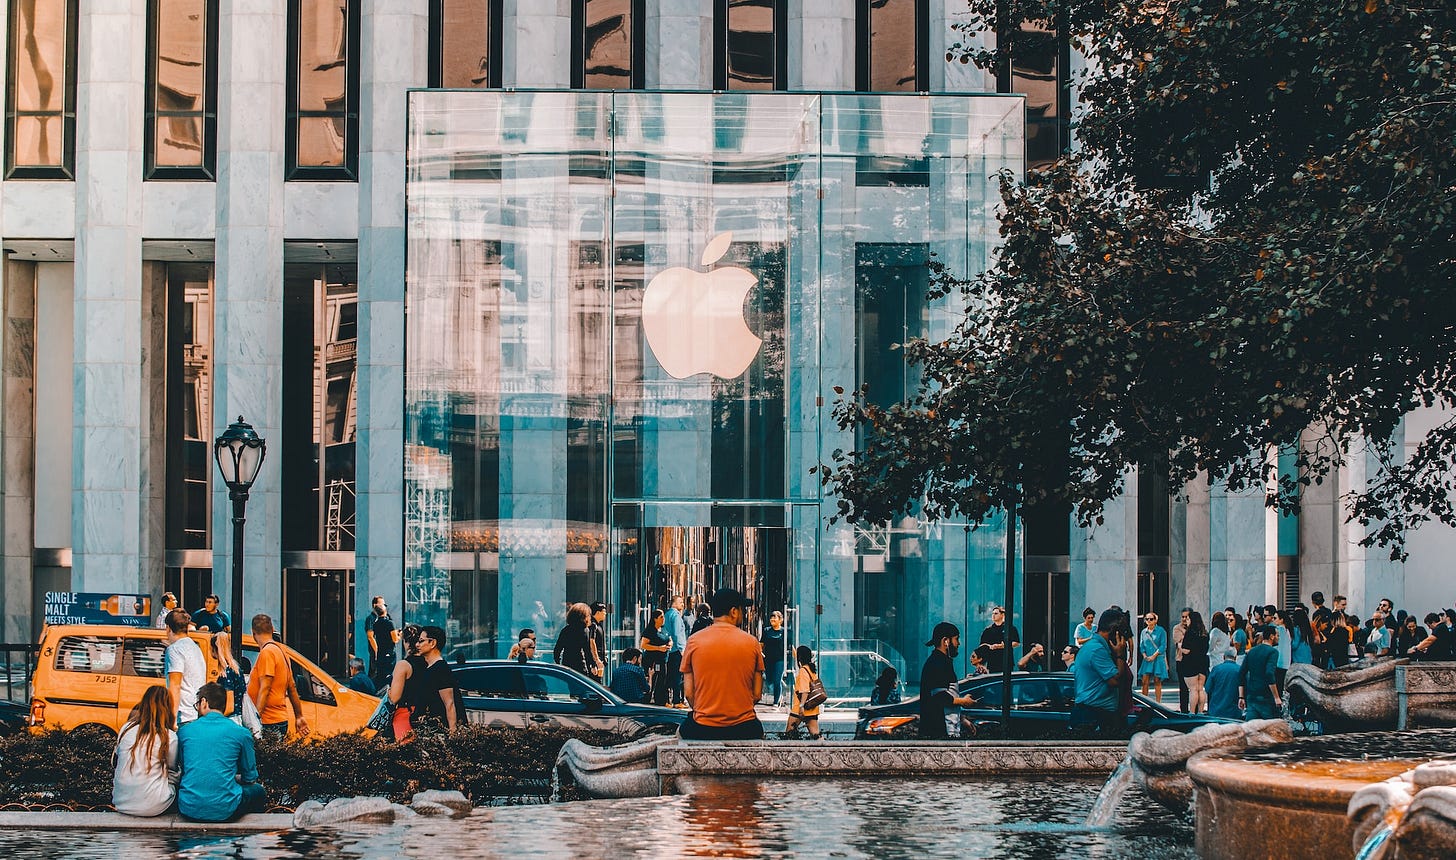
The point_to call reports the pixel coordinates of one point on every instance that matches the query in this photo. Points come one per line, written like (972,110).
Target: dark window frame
(207,170)
(781,45)
(436,74)
(864,58)
(349,170)
(1005,63)
(67,168)
(637,74)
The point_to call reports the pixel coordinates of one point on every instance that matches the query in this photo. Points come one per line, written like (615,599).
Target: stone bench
(61,820)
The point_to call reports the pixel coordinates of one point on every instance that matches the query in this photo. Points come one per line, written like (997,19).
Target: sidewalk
(256,823)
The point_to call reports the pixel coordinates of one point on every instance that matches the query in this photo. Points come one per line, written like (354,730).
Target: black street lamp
(239,452)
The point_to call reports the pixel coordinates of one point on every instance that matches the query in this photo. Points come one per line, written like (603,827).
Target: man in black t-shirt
(597,632)
(382,638)
(994,637)
(430,687)
(940,698)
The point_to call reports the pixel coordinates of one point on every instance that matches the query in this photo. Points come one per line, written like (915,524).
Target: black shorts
(748,730)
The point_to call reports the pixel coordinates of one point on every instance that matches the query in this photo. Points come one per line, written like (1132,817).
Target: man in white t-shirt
(186,668)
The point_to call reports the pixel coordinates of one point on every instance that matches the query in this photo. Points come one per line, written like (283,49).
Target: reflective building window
(892,40)
(181,129)
(1038,69)
(40,97)
(189,435)
(751,40)
(607,44)
(465,43)
(323,89)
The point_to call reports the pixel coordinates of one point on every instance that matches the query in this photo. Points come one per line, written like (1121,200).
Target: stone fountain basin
(1282,810)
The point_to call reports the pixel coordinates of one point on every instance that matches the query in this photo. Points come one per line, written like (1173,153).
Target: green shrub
(487,764)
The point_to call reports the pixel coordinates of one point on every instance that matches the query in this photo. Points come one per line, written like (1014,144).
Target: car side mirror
(592,703)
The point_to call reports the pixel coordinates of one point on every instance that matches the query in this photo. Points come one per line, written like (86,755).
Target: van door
(85,671)
(142,662)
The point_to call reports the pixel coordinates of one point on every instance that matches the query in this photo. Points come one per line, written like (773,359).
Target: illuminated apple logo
(694,320)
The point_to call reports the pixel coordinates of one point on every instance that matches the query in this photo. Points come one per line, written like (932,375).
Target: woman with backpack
(808,695)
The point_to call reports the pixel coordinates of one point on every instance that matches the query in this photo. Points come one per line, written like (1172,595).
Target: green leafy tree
(1253,239)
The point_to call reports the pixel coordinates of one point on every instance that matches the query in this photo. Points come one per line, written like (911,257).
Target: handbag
(383,716)
(816,695)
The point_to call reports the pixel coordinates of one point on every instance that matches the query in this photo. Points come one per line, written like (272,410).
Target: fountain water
(1104,808)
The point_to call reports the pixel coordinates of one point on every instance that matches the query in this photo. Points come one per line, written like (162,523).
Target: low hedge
(488,764)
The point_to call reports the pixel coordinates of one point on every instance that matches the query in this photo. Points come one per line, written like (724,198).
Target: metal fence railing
(17,667)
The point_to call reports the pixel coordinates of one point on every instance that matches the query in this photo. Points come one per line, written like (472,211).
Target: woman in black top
(655,645)
(573,645)
(1337,645)
(1408,635)
(1193,665)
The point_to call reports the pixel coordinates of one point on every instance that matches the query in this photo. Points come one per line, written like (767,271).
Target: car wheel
(97,728)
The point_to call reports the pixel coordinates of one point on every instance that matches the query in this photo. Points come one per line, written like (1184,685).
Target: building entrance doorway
(318,615)
(651,564)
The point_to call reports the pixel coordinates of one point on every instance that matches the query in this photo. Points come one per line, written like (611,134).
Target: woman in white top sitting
(146,757)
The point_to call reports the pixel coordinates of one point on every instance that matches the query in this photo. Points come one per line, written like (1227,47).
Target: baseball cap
(943,630)
(725,600)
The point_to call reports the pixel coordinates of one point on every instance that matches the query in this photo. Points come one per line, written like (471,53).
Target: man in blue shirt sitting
(1097,671)
(629,681)
(219,772)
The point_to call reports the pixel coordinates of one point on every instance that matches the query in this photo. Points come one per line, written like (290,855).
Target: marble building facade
(204,215)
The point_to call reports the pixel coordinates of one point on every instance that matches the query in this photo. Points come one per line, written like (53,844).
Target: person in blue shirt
(211,619)
(677,631)
(360,681)
(629,681)
(1257,676)
(219,771)
(1222,687)
(1083,633)
(1153,655)
(1097,671)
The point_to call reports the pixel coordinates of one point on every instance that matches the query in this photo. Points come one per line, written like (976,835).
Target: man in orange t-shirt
(722,669)
(268,685)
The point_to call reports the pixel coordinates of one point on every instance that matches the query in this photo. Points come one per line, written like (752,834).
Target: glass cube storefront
(628,314)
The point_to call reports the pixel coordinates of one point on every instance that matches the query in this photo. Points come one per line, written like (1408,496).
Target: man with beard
(940,698)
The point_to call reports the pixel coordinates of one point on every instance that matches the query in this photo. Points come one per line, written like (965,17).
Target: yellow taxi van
(93,675)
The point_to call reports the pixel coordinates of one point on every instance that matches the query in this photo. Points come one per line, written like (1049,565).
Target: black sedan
(1041,705)
(508,693)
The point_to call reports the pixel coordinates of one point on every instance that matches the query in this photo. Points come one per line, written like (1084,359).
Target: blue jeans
(774,679)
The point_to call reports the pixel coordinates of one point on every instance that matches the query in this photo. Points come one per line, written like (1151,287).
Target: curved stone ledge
(255,823)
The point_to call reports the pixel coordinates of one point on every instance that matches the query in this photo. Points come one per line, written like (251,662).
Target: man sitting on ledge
(219,772)
(722,672)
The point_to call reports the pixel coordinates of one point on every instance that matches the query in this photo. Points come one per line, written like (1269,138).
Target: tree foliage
(1255,238)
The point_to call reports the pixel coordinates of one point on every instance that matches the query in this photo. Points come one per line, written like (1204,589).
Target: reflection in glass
(607,45)
(42,81)
(320,331)
(179,82)
(322,83)
(464,49)
(189,406)
(892,50)
(1035,71)
(750,52)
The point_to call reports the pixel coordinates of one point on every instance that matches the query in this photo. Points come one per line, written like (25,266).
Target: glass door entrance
(654,563)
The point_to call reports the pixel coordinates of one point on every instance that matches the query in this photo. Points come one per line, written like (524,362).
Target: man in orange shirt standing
(269,686)
(722,670)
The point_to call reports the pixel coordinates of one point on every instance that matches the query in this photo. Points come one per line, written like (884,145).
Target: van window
(310,689)
(87,654)
(144,658)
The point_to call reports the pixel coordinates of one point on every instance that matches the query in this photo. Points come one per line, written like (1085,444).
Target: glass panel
(321,141)
(491,682)
(189,406)
(39,141)
(607,44)
(96,654)
(144,658)
(323,54)
(178,141)
(893,25)
(751,55)
(556,265)
(465,44)
(1034,73)
(181,70)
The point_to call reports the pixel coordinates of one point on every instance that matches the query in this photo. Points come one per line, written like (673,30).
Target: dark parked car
(14,717)
(1041,705)
(507,693)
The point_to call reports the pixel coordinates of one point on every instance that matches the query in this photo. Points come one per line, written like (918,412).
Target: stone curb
(255,823)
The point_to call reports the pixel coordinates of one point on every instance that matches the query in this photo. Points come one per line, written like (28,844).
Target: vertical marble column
(1195,580)
(537,48)
(1106,554)
(248,349)
(153,545)
(953,76)
(18,439)
(679,45)
(1372,573)
(107,514)
(821,45)
(393,34)
(1238,568)
(1321,518)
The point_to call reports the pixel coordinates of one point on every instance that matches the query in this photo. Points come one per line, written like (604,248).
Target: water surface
(1029,817)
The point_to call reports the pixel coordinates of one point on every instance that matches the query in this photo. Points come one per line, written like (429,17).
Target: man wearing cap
(722,672)
(940,695)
